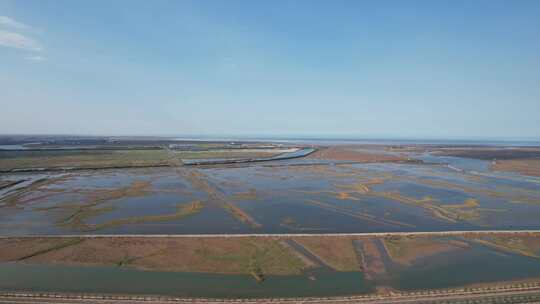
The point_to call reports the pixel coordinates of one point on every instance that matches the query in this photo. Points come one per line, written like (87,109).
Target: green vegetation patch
(10,160)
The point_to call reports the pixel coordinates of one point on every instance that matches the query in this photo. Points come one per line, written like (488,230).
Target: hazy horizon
(336,69)
(291,137)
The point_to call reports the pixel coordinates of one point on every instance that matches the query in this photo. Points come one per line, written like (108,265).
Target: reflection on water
(57,278)
(477,264)
(456,163)
(282,197)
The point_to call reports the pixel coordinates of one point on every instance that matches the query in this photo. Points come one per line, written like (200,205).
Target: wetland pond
(457,268)
(279,197)
(59,278)
(479,265)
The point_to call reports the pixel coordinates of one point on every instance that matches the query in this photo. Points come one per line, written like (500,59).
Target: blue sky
(410,69)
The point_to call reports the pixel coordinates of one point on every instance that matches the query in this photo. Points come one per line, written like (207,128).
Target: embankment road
(515,293)
(278,235)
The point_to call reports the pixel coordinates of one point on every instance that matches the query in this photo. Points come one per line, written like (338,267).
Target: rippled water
(284,197)
(15,276)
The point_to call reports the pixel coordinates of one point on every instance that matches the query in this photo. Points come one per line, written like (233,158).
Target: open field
(349,153)
(58,159)
(405,250)
(212,255)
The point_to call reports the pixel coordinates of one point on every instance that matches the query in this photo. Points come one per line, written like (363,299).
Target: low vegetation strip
(182,211)
(241,215)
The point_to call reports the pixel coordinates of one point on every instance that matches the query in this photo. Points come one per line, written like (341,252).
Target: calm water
(279,197)
(477,264)
(57,278)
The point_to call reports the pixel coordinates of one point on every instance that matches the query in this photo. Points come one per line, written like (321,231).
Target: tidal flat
(280,197)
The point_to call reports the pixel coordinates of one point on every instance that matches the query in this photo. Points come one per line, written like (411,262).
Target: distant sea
(345,141)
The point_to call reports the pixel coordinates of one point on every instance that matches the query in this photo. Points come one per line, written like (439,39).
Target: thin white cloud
(36,58)
(18,41)
(8,22)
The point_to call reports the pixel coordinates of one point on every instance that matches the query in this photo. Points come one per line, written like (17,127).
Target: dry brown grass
(405,250)
(337,252)
(15,249)
(183,210)
(213,255)
(527,166)
(347,153)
